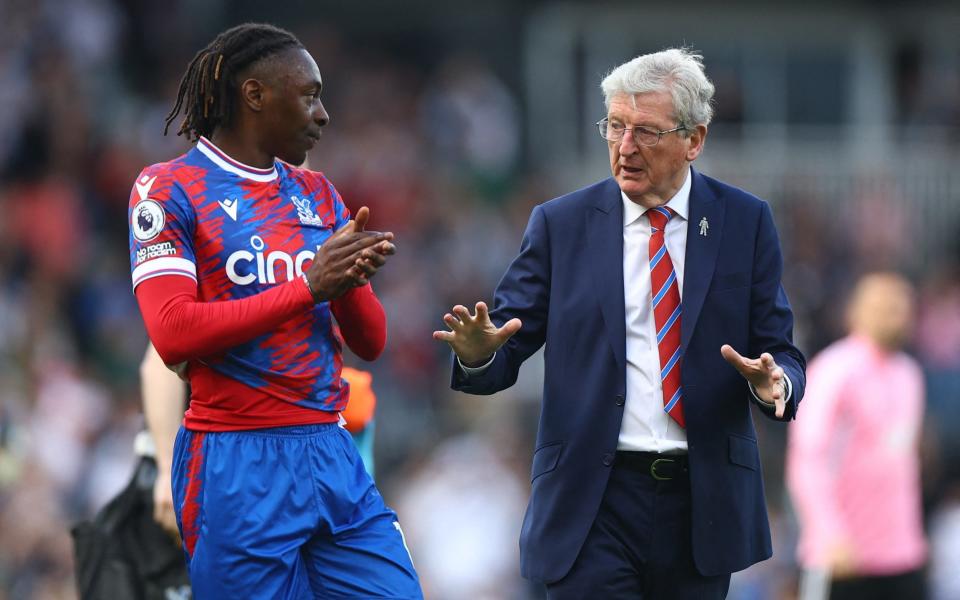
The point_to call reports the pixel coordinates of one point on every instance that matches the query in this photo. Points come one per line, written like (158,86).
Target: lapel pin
(704,226)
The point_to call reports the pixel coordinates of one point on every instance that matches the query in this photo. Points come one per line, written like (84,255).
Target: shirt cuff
(476,370)
(764,402)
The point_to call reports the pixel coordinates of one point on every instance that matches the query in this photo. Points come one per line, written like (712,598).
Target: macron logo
(230,206)
(144,185)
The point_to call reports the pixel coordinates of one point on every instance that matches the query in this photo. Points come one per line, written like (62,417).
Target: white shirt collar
(680,203)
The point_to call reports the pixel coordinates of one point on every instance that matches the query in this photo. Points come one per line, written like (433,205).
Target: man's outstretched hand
(763,373)
(474,337)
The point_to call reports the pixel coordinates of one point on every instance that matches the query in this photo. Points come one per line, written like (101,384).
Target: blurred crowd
(437,152)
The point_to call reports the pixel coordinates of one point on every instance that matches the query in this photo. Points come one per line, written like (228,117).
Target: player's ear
(251,92)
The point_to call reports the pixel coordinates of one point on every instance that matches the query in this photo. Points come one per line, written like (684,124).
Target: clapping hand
(349,258)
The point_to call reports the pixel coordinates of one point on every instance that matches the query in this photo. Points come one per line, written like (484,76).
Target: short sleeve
(162,221)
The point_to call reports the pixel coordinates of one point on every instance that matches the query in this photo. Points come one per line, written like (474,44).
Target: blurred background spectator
(853,461)
(451,120)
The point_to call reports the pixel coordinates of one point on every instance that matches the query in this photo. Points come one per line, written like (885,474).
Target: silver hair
(677,70)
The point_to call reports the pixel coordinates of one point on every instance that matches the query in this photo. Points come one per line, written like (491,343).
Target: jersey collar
(220,158)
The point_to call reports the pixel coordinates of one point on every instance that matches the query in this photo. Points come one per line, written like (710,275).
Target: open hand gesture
(763,373)
(474,337)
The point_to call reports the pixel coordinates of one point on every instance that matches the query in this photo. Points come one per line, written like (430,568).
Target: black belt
(662,467)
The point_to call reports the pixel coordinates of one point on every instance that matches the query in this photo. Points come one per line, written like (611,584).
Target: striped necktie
(666,313)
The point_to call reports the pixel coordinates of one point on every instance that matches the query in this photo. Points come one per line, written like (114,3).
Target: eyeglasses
(643,136)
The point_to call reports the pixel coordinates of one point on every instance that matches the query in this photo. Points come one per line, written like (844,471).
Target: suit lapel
(605,244)
(701,256)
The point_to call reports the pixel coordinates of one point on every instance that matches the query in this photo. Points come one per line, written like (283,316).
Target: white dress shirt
(645,425)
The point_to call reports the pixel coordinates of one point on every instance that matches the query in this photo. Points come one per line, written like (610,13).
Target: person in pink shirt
(853,467)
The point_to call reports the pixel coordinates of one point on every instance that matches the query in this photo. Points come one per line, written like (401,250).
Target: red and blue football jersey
(238,231)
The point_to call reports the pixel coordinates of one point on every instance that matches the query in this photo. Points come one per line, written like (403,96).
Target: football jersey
(238,231)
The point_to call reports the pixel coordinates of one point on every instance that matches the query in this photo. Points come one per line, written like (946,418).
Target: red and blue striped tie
(666,313)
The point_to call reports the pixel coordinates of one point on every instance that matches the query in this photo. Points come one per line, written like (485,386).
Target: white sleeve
(475,370)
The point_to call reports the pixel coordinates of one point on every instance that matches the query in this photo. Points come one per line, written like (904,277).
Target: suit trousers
(639,545)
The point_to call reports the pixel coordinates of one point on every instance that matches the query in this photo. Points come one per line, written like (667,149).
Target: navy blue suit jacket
(566,286)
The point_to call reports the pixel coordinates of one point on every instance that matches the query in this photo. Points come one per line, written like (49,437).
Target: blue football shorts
(288,512)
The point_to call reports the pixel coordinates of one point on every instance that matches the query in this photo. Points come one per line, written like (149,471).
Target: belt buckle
(653,469)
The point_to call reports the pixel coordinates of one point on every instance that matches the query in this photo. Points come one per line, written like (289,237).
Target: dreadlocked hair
(208,89)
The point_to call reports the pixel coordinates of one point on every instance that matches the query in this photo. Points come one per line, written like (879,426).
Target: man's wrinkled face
(650,175)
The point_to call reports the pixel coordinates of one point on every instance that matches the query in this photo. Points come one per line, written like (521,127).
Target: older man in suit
(646,475)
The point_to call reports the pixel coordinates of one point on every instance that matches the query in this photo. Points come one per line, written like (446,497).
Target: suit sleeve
(523,293)
(771,319)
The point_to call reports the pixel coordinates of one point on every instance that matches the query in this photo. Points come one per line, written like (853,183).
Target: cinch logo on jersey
(244,267)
